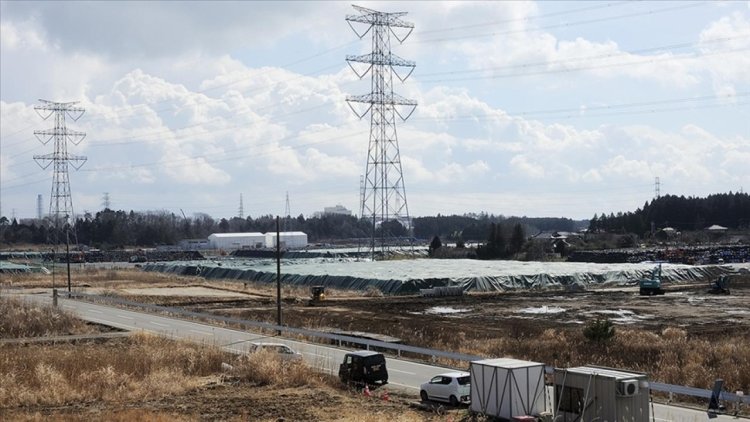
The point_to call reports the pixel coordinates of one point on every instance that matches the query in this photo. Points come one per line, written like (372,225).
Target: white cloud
(207,121)
(527,167)
(727,70)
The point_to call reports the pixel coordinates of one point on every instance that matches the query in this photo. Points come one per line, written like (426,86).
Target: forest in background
(109,229)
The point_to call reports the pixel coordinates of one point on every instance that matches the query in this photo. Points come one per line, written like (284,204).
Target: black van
(364,367)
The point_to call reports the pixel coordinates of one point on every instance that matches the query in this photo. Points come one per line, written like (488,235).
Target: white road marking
(159,324)
(95,311)
(403,385)
(68,306)
(202,332)
(124,317)
(315,354)
(403,372)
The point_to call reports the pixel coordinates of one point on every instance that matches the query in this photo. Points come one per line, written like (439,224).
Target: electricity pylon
(61,202)
(384,195)
(287,213)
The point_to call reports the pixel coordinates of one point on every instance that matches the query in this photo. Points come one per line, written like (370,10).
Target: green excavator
(651,286)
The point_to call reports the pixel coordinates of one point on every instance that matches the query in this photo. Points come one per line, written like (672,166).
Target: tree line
(731,210)
(110,229)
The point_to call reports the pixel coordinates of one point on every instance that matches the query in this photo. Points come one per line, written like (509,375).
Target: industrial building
(335,210)
(289,240)
(231,241)
(255,240)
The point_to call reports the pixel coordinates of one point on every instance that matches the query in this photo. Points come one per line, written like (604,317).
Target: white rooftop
(507,363)
(237,234)
(288,233)
(604,372)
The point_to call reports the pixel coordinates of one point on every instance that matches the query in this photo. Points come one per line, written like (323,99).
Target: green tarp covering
(408,276)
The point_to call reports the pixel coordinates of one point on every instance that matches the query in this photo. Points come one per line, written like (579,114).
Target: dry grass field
(148,378)
(685,337)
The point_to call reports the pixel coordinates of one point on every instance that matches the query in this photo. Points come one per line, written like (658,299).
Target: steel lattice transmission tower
(61,202)
(383,194)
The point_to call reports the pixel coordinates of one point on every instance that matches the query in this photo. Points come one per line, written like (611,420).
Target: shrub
(599,330)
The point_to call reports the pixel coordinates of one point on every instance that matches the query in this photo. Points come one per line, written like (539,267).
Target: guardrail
(697,392)
(397,348)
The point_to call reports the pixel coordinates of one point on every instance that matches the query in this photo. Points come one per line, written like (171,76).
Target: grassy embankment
(144,377)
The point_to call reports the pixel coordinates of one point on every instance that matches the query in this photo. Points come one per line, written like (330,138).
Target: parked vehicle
(451,387)
(363,367)
(285,352)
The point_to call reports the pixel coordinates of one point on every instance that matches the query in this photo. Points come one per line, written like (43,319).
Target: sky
(564,109)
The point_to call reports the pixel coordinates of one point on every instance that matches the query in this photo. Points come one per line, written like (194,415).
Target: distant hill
(731,210)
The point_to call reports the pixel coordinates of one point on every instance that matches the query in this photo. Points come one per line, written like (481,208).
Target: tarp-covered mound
(11,268)
(408,276)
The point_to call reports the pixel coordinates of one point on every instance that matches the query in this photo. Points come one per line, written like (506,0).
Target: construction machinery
(317,295)
(720,286)
(651,286)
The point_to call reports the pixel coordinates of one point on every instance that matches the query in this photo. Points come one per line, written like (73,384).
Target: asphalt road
(405,374)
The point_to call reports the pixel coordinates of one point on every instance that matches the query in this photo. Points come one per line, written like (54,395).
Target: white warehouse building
(289,240)
(230,241)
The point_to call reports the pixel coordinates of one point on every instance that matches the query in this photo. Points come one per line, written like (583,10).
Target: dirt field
(685,337)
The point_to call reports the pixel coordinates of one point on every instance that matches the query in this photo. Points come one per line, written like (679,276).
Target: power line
(580,68)
(525,66)
(578,109)
(527,18)
(563,25)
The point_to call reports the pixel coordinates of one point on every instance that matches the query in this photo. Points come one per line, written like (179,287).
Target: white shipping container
(505,388)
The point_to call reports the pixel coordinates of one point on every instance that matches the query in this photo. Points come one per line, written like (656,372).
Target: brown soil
(488,315)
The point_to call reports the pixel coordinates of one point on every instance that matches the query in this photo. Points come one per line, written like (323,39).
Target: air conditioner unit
(627,388)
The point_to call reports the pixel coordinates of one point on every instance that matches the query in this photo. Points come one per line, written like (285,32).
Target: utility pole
(278,275)
(61,202)
(67,255)
(384,193)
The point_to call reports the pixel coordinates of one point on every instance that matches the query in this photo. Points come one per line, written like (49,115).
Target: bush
(599,330)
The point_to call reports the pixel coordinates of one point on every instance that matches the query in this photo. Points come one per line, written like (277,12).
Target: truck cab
(363,367)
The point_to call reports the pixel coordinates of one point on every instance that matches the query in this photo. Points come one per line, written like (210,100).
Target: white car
(451,387)
(284,351)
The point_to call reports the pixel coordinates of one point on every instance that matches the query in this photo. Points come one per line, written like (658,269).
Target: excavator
(651,286)
(720,286)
